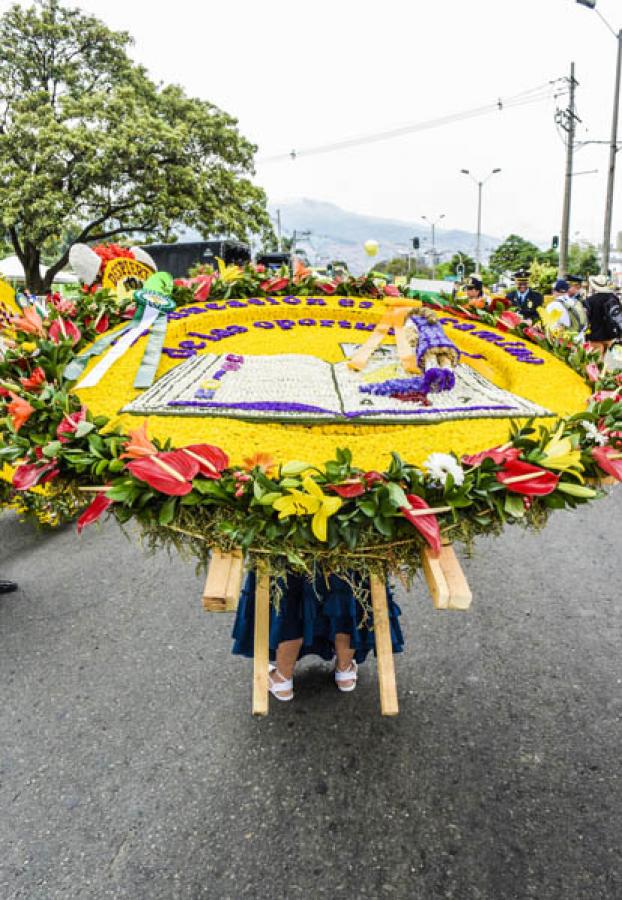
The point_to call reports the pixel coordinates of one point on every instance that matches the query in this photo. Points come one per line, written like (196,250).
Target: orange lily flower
(139,445)
(300,271)
(19,411)
(30,322)
(262,461)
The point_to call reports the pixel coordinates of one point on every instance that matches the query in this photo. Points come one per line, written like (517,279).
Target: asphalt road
(130,766)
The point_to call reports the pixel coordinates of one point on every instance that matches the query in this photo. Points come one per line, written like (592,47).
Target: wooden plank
(262,629)
(215,590)
(405,353)
(234,583)
(384,649)
(435,579)
(359,360)
(460,595)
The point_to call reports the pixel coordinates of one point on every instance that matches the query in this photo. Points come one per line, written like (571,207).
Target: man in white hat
(604,312)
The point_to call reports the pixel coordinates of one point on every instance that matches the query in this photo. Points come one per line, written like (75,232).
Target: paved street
(130,766)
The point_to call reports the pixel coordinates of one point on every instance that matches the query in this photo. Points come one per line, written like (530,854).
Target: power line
(532,95)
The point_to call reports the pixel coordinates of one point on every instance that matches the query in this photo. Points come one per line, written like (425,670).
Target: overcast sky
(299,74)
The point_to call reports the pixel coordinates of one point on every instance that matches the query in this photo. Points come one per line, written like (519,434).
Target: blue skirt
(315,613)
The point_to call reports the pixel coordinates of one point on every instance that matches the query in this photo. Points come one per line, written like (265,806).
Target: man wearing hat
(524,298)
(604,311)
(575,283)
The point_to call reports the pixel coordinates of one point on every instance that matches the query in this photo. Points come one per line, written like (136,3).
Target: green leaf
(268,499)
(294,467)
(397,495)
(576,490)
(167,512)
(84,428)
(384,526)
(514,506)
(52,449)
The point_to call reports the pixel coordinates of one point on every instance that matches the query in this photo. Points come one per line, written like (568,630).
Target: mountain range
(339,234)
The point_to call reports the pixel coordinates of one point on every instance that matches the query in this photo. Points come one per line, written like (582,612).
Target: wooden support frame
(261,649)
(384,649)
(223,582)
(445,579)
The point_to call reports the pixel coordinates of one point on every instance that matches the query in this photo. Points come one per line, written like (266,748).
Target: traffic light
(555,242)
(416,243)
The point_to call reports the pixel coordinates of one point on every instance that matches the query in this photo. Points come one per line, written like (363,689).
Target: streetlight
(480,184)
(613,145)
(433,224)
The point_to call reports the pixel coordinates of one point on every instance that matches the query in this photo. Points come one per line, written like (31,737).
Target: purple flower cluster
(232,363)
(434,380)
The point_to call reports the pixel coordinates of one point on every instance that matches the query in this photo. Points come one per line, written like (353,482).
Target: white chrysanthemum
(593,434)
(440,465)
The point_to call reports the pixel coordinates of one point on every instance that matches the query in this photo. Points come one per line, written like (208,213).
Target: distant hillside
(339,234)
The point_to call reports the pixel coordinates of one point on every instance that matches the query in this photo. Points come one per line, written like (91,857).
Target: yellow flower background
(553,385)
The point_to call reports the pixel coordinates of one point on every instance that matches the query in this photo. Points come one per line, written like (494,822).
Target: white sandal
(350,674)
(277,688)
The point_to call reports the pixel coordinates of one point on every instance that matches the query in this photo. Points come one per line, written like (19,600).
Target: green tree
(583,260)
(90,146)
(514,253)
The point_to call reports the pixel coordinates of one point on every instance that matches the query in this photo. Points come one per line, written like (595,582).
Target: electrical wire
(533,95)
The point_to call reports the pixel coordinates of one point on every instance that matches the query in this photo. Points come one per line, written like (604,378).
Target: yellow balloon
(371,247)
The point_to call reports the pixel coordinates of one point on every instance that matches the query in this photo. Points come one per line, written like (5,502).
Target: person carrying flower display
(326,617)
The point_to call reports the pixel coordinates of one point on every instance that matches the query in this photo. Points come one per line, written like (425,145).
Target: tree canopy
(514,253)
(91,147)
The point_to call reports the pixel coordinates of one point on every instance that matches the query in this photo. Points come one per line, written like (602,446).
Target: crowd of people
(589,308)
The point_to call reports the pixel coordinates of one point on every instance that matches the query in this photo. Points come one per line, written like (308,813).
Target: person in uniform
(523,298)
(474,288)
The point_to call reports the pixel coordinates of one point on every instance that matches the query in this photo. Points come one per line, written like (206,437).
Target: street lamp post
(613,144)
(480,184)
(433,224)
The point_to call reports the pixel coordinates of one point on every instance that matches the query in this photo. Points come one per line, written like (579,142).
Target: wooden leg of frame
(435,579)
(262,629)
(384,649)
(460,595)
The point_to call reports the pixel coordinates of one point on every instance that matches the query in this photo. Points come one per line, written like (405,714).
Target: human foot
(345,678)
(279,686)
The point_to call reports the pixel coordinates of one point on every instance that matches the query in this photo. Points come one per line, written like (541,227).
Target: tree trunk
(32,271)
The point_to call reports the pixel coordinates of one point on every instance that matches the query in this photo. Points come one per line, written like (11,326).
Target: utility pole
(278,230)
(567,120)
(613,149)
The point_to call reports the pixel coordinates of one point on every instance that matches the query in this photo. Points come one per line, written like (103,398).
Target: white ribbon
(124,343)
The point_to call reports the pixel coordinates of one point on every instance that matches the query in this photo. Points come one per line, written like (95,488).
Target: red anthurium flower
(19,411)
(101,323)
(593,372)
(35,381)
(373,477)
(65,307)
(328,287)
(352,487)
(170,473)
(610,461)
(93,512)
(260,268)
(391,290)
(523,478)
(274,284)
(498,454)
(28,475)
(510,318)
(64,330)
(69,424)
(203,286)
(426,525)
(535,334)
(211,460)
